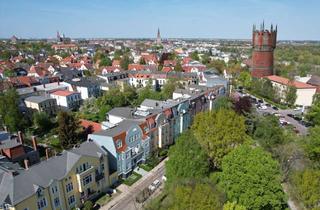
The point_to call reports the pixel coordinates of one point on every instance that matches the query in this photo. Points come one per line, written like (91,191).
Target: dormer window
(119,143)
(39,193)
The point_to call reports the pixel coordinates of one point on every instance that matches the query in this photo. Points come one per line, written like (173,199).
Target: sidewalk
(130,190)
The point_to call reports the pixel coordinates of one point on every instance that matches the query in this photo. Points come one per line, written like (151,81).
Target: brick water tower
(263,44)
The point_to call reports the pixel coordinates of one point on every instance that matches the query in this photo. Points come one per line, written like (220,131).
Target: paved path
(126,200)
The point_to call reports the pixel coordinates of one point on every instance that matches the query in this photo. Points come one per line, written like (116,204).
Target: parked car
(156,183)
(275,108)
(263,107)
(164,178)
(290,115)
(297,109)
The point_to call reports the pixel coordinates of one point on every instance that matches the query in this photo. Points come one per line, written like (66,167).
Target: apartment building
(42,104)
(79,174)
(68,100)
(131,134)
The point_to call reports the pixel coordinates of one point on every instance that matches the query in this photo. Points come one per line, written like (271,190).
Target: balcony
(99,176)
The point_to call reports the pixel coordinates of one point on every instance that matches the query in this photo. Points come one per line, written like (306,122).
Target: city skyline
(142,18)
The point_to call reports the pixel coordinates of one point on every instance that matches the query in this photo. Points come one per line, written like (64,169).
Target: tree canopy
(219,133)
(307,186)
(68,129)
(10,115)
(200,195)
(252,178)
(187,159)
(312,144)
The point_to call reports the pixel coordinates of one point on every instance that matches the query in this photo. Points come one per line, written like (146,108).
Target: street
(126,200)
(300,128)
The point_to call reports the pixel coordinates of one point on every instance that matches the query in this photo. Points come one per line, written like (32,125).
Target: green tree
(169,88)
(252,178)
(291,95)
(42,122)
(105,61)
(9,111)
(68,127)
(88,205)
(313,114)
(178,66)
(312,144)
(245,79)
(222,102)
(268,132)
(125,61)
(186,159)
(200,195)
(233,206)
(307,188)
(221,137)
(195,56)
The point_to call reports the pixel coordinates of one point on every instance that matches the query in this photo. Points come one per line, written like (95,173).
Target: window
(119,143)
(71,200)
(119,157)
(131,139)
(102,167)
(42,203)
(69,187)
(56,202)
(54,189)
(86,180)
(39,193)
(128,155)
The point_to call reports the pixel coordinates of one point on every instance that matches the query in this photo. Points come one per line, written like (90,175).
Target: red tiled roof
(167,69)
(95,127)
(136,67)
(63,93)
(23,80)
(285,81)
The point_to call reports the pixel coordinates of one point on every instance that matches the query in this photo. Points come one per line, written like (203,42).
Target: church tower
(263,43)
(158,37)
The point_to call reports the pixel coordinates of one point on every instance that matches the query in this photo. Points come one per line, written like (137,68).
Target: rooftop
(37,99)
(285,81)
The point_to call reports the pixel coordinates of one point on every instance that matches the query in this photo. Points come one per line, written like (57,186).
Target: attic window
(119,143)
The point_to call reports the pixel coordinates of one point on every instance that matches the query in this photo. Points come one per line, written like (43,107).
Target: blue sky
(296,19)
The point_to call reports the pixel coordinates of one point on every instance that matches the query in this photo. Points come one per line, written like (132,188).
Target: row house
(127,143)
(79,174)
(131,134)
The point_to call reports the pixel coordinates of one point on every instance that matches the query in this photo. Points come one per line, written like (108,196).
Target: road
(301,128)
(126,200)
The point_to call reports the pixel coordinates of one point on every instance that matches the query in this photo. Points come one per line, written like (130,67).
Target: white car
(156,183)
(297,109)
(263,107)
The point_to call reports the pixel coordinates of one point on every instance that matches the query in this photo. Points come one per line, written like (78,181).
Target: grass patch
(146,167)
(103,200)
(132,179)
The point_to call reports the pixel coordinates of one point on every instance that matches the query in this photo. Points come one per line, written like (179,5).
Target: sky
(229,19)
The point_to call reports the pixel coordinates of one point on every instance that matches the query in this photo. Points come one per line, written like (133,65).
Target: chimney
(26,164)
(58,82)
(44,85)
(34,143)
(47,153)
(20,137)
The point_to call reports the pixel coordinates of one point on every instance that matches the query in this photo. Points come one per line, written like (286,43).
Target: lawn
(132,179)
(103,200)
(146,167)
